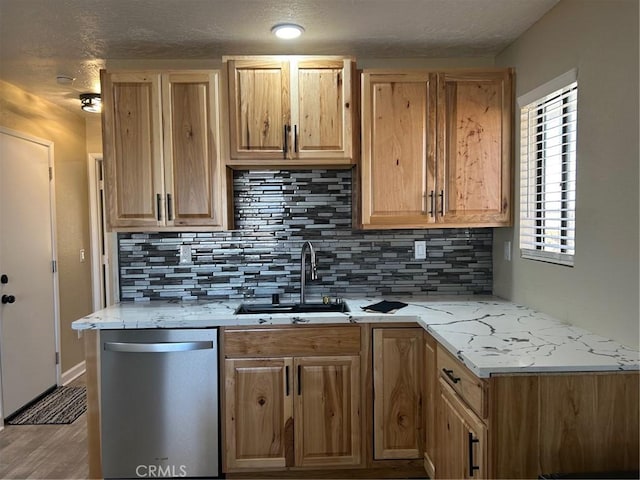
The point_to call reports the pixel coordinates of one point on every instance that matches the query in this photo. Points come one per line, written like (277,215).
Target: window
(548,121)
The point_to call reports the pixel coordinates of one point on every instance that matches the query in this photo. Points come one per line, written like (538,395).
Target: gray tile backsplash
(275,212)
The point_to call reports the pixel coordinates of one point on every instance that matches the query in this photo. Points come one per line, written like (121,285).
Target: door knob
(8,299)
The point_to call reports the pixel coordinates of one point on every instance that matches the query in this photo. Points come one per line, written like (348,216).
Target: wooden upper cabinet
(397,383)
(474,148)
(132,137)
(162,150)
(436,149)
(398,149)
(259,107)
(192,149)
(290,110)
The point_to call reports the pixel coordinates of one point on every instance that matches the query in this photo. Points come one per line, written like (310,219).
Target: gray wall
(600,293)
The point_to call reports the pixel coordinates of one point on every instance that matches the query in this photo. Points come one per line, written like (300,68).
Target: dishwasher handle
(163,347)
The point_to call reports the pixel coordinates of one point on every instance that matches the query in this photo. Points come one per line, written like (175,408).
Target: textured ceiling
(40,39)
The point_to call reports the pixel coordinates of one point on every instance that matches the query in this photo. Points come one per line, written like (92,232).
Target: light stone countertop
(489,335)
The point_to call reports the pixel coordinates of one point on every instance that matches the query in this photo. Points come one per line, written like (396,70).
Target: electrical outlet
(420,250)
(185,254)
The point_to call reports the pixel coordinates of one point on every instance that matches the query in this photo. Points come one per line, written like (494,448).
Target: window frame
(533,235)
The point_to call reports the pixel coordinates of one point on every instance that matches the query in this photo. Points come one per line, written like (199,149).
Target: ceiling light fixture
(91,102)
(287,31)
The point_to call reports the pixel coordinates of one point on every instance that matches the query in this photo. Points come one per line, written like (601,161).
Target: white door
(28,308)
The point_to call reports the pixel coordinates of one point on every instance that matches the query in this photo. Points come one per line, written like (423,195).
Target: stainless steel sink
(308,307)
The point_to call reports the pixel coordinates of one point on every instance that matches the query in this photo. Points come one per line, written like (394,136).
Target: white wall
(600,293)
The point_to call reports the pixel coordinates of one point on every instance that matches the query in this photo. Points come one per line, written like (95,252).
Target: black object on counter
(585,476)
(384,307)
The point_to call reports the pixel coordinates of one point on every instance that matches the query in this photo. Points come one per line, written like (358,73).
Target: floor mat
(62,406)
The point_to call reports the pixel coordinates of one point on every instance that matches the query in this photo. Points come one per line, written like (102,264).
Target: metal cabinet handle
(299,380)
(159,206)
(285,143)
(449,374)
(286,380)
(295,138)
(472,467)
(432,205)
(163,347)
(169,207)
(441,195)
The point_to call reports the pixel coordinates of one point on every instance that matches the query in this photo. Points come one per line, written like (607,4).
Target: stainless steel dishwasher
(159,403)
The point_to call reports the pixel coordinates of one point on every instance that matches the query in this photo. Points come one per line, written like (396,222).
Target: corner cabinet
(287,111)
(162,152)
(436,149)
(287,406)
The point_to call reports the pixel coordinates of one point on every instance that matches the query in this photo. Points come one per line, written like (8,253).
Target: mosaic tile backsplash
(275,212)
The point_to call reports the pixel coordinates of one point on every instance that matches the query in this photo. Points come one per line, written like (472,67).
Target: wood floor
(45,451)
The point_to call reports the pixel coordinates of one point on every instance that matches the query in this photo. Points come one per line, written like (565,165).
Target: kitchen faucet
(303,267)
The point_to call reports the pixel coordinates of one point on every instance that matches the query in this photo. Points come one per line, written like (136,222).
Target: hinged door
(327,411)
(259,413)
(259,108)
(193,179)
(398,150)
(474,148)
(132,132)
(322,109)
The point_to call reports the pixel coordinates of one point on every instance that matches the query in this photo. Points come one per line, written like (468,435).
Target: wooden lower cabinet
(259,412)
(294,408)
(327,411)
(462,438)
(397,406)
(292,412)
(523,426)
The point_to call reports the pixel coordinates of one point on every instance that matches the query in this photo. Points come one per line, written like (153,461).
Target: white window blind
(548,176)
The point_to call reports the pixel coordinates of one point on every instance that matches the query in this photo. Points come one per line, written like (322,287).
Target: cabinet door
(397,383)
(327,411)
(398,150)
(192,149)
(132,139)
(321,112)
(474,148)
(461,438)
(259,415)
(259,108)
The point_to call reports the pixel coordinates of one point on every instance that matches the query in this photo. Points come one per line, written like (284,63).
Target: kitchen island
(534,394)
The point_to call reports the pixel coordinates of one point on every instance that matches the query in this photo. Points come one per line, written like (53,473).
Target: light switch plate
(420,250)
(185,254)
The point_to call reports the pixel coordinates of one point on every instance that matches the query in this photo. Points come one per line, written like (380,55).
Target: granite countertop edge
(489,335)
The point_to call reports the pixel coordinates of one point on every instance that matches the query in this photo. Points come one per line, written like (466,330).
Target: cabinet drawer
(470,388)
(291,341)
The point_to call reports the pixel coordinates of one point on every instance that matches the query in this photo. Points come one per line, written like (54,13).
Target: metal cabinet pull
(295,138)
(441,195)
(286,380)
(299,380)
(159,205)
(285,147)
(472,467)
(449,374)
(169,207)
(432,205)
(163,347)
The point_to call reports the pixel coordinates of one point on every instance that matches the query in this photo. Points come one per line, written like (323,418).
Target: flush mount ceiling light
(91,102)
(287,31)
